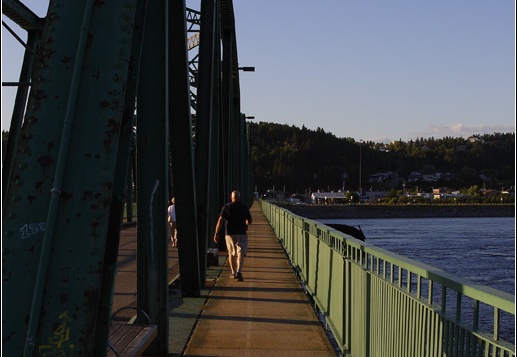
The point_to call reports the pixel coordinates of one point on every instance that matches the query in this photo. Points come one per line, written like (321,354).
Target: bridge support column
(152,179)
(182,152)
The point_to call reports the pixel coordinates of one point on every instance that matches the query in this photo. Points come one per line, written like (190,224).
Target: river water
(479,249)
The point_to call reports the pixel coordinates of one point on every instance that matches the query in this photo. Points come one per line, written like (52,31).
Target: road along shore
(396,211)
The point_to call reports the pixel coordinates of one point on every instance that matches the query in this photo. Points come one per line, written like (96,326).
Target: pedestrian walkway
(124,293)
(267,314)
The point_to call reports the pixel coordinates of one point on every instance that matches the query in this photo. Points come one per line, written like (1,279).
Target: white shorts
(237,243)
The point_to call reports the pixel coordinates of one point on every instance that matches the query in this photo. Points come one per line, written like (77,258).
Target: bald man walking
(237,217)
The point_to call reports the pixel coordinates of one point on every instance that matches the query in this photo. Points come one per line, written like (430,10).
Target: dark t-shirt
(236,215)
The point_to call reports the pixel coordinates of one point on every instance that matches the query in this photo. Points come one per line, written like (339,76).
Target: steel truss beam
(61,202)
(65,186)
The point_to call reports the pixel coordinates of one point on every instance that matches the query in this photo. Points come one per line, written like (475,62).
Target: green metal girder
(204,122)
(152,178)
(57,211)
(22,15)
(227,111)
(216,193)
(123,166)
(65,186)
(182,152)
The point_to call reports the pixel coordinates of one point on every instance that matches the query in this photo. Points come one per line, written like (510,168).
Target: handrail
(378,302)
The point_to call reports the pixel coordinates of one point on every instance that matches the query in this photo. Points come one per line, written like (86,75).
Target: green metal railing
(377,303)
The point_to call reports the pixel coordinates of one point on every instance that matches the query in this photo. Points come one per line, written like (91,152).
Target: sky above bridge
(369,70)
(380,70)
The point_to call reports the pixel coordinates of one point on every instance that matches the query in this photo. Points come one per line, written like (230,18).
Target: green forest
(298,161)
(287,158)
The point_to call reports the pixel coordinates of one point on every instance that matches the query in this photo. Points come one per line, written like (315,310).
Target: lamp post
(245,150)
(246,159)
(360,167)
(344,177)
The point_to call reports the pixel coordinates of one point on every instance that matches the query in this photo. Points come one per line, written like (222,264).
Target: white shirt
(172,212)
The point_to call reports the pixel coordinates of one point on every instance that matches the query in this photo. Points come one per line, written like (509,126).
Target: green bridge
(125,104)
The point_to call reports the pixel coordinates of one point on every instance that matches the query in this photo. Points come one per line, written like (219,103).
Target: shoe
(239,276)
(232,275)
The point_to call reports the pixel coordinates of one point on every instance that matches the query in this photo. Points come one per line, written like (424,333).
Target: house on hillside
(439,192)
(445,193)
(432,177)
(326,198)
(381,176)
(375,196)
(414,176)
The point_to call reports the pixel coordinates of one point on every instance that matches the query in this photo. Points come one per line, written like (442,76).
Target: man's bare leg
(240,261)
(230,260)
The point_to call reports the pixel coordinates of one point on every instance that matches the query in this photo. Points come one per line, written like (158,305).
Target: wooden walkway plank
(130,340)
(267,314)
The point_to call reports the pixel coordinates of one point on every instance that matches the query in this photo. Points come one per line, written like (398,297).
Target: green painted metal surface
(59,202)
(152,154)
(205,120)
(119,197)
(378,303)
(73,163)
(180,135)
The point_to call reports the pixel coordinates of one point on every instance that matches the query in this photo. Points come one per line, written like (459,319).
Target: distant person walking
(171,218)
(237,217)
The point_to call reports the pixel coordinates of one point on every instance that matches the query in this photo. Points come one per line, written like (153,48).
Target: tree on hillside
(303,159)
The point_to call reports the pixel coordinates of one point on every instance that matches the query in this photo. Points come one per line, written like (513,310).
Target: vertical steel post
(152,180)
(227,112)
(129,193)
(204,122)
(120,192)
(236,139)
(56,191)
(242,160)
(180,136)
(248,173)
(216,193)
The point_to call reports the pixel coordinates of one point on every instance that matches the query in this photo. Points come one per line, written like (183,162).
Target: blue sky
(380,70)
(369,70)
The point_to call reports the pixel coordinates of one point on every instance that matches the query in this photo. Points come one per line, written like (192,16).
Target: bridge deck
(267,314)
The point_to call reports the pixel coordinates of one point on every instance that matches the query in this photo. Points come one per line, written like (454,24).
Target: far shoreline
(400,211)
